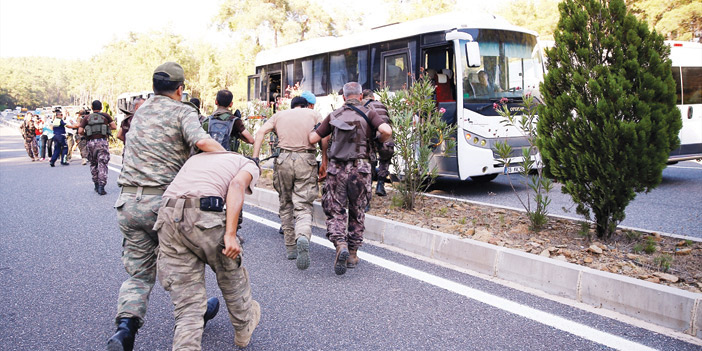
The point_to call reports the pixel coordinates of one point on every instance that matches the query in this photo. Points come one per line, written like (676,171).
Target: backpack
(221,131)
(97,124)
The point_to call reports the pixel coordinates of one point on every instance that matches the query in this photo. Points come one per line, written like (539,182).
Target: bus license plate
(514,169)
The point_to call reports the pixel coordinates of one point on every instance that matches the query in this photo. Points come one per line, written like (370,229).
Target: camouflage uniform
(98,151)
(157,145)
(379,154)
(350,182)
(30,140)
(296,183)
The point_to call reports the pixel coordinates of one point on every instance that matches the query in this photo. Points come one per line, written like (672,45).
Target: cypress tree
(609,121)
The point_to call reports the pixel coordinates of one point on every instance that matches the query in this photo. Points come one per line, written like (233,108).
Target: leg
(42,146)
(70,141)
(182,274)
(35,149)
(136,221)
(358,187)
(284,168)
(304,192)
(103,158)
(93,151)
(334,202)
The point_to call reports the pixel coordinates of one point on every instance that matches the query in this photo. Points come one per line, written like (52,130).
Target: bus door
(439,64)
(274,81)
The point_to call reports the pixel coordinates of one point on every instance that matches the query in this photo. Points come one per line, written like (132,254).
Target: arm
(235,201)
(247,137)
(120,134)
(325,159)
(113,125)
(81,130)
(314,137)
(209,145)
(265,129)
(385,132)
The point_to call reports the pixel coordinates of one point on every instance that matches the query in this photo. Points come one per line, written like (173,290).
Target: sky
(78,29)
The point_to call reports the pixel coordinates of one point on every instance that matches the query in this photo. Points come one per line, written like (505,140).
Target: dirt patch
(650,257)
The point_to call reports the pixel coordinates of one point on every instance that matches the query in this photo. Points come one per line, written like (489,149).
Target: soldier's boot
(352,261)
(303,253)
(281,231)
(96,186)
(101,190)
(380,188)
(342,254)
(243,337)
(212,309)
(123,340)
(291,252)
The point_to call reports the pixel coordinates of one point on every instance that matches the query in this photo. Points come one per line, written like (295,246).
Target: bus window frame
(396,52)
(257,84)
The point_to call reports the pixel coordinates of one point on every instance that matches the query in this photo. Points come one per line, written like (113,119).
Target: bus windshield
(511,66)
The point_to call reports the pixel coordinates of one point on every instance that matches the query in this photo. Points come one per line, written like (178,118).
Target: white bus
(687,71)
(389,56)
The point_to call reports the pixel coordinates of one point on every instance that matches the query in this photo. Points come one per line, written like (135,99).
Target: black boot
(101,190)
(123,340)
(380,188)
(212,309)
(96,187)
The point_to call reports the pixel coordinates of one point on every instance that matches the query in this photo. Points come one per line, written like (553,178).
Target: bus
(466,50)
(687,72)
(125,103)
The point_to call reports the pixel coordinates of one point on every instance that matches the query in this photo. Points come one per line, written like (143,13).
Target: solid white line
(118,170)
(560,323)
(13,150)
(697,168)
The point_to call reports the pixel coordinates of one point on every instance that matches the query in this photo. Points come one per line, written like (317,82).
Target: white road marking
(12,150)
(682,167)
(560,323)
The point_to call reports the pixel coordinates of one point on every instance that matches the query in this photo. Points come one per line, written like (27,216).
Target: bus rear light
(678,44)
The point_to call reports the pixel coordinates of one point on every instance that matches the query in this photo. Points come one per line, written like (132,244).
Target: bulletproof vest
(385,150)
(221,131)
(349,137)
(97,125)
(379,108)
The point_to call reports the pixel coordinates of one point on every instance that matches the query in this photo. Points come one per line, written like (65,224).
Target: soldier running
(96,127)
(348,176)
(295,175)
(162,134)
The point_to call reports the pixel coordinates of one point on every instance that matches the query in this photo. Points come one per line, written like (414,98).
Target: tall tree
(609,121)
(540,16)
(675,19)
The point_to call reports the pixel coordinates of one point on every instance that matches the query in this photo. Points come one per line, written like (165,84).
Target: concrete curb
(657,304)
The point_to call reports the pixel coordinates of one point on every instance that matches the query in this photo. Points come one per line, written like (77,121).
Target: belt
(354,161)
(210,203)
(301,151)
(189,203)
(144,190)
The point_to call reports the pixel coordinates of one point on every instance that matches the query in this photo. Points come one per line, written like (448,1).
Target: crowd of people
(183,185)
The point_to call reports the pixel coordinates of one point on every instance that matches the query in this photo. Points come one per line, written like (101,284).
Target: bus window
(253,87)
(309,72)
(348,66)
(395,68)
(678,85)
(692,85)
(289,74)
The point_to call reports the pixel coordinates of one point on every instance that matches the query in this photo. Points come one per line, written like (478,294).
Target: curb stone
(661,305)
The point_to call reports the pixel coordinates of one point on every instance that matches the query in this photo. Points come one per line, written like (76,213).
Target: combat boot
(243,337)
(342,254)
(123,340)
(291,252)
(303,253)
(96,187)
(212,309)
(352,262)
(380,188)
(101,190)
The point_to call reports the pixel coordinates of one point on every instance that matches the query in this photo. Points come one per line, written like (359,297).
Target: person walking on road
(294,175)
(194,230)
(348,174)
(224,126)
(82,140)
(97,127)
(60,147)
(47,139)
(384,150)
(29,135)
(161,137)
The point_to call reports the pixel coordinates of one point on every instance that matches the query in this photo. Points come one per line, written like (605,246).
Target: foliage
(417,130)
(539,184)
(663,262)
(609,121)
(540,16)
(406,10)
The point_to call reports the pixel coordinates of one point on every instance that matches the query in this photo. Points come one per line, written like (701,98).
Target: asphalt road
(60,267)
(674,207)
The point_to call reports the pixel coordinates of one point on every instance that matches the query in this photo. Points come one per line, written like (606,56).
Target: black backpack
(221,131)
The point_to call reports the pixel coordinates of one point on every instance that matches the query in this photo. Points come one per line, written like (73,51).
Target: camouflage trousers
(347,183)
(295,178)
(71,141)
(190,238)
(30,144)
(83,147)
(383,168)
(99,157)
(136,217)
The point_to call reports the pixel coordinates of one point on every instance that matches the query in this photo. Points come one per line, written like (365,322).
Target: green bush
(609,121)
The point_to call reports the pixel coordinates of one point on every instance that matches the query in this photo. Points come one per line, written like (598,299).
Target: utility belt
(209,203)
(301,151)
(355,162)
(141,190)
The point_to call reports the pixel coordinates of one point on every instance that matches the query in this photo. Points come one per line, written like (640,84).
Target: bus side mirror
(473,54)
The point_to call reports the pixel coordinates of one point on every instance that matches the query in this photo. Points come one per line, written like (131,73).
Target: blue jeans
(60,148)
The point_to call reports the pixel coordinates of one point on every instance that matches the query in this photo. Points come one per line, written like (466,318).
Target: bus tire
(484,178)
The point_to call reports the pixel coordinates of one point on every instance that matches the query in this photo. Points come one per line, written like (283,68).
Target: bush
(609,121)
(417,131)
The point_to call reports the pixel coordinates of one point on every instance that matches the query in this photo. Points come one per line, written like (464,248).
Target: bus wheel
(484,178)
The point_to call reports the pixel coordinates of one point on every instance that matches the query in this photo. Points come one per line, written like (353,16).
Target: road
(675,206)
(61,271)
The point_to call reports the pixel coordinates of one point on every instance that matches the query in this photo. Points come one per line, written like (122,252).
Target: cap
(311,99)
(173,70)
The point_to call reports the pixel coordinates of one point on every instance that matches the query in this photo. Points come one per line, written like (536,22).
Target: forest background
(126,64)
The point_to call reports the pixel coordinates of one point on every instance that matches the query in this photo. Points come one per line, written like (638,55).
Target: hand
(231,246)
(322,171)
